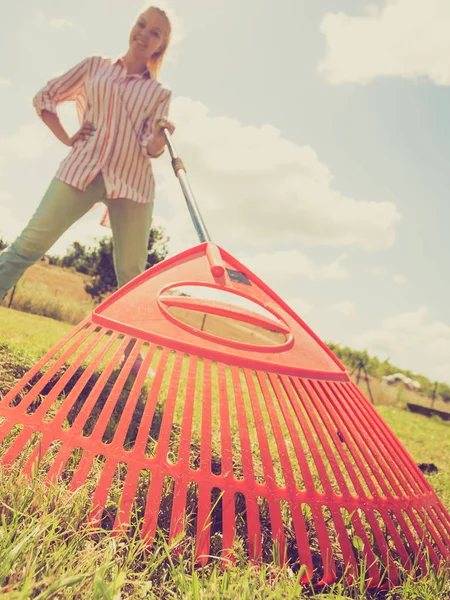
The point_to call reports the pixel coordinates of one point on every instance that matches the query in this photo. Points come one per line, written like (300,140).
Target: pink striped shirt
(124,109)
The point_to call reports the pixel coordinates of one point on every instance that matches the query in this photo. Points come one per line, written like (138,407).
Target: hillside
(51,291)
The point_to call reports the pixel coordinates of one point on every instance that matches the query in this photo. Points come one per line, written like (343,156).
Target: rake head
(249,434)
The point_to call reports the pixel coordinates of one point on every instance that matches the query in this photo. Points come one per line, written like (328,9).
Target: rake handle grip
(180,172)
(215,260)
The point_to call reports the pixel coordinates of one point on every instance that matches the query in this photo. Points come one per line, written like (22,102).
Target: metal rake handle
(180,172)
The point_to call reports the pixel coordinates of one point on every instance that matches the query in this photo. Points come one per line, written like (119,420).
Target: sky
(315,138)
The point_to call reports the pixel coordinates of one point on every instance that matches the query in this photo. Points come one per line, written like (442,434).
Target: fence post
(434,394)
(11,297)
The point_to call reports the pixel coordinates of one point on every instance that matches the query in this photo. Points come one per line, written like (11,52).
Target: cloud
(4,82)
(384,272)
(28,142)
(61,23)
(299,305)
(5,196)
(10,225)
(346,307)
(412,341)
(401,38)
(400,279)
(267,190)
(294,265)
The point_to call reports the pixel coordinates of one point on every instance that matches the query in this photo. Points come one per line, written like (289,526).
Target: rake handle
(180,172)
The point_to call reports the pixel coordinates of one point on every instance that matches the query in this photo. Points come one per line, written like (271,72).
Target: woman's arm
(152,139)
(62,88)
(54,124)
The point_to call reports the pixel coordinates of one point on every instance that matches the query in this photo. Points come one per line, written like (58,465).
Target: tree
(3,244)
(444,392)
(98,262)
(80,258)
(157,246)
(102,271)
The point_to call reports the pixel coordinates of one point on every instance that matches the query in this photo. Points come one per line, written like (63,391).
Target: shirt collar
(145,73)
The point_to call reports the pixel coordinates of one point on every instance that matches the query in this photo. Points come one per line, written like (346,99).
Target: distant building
(409,383)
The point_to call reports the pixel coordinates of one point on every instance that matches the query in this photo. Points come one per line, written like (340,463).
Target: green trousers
(61,206)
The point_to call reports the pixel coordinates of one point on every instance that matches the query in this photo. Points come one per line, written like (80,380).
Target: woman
(122,109)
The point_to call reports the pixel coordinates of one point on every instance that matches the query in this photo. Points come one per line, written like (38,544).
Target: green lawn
(428,441)
(47,552)
(30,333)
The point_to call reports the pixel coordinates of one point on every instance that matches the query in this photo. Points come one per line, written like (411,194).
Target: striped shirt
(124,109)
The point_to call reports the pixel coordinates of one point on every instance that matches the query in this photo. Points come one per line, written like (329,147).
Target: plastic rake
(248,437)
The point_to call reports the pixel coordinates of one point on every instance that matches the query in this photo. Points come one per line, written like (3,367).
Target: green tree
(444,392)
(99,264)
(157,246)
(103,280)
(3,244)
(80,258)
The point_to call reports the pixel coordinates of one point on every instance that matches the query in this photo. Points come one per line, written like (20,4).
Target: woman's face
(149,34)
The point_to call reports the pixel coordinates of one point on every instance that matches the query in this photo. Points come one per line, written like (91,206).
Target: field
(46,552)
(50,291)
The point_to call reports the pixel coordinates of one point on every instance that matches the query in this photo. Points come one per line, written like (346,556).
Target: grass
(428,441)
(50,291)
(27,333)
(47,551)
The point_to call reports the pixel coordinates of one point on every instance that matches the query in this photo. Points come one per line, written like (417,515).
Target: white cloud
(346,307)
(411,341)
(266,190)
(29,142)
(383,271)
(5,196)
(400,279)
(299,305)
(10,226)
(400,38)
(61,23)
(292,264)
(286,272)
(4,82)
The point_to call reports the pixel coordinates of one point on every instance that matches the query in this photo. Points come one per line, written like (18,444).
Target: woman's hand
(85,132)
(163,124)
(155,146)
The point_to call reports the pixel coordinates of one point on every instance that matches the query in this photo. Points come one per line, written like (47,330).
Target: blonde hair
(155,62)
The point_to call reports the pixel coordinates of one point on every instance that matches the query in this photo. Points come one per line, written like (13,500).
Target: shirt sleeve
(161,111)
(62,88)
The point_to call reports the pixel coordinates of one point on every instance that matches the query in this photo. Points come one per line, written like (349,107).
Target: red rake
(250,435)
